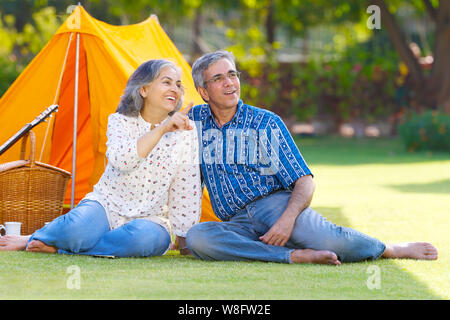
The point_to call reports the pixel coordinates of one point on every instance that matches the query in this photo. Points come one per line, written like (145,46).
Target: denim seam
(379,244)
(361,234)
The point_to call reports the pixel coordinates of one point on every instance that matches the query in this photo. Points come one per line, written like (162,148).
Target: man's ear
(203,93)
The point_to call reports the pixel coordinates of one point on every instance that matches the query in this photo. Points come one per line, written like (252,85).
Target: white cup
(11,228)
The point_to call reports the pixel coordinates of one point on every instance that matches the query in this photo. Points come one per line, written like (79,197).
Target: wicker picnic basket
(31,192)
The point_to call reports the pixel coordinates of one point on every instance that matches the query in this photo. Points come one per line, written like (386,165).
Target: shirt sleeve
(121,145)
(185,191)
(282,156)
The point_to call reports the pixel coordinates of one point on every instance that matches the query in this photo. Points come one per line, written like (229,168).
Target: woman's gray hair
(203,63)
(131,102)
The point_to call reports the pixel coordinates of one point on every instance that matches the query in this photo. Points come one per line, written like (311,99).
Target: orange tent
(84,69)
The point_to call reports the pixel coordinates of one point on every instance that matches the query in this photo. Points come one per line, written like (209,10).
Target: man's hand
(280,232)
(178,121)
(301,197)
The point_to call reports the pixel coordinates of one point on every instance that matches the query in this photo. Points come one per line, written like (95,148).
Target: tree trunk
(270,23)
(196,43)
(398,41)
(440,75)
(434,91)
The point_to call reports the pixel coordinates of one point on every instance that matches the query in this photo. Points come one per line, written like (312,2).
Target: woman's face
(164,92)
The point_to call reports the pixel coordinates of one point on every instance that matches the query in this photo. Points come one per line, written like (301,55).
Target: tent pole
(75,123)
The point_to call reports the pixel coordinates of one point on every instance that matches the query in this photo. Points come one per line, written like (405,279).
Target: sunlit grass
(371,185)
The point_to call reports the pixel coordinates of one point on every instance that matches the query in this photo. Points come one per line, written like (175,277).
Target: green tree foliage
(257,31)
(17,48)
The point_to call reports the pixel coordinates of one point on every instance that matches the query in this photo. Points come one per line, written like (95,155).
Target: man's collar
(236,115)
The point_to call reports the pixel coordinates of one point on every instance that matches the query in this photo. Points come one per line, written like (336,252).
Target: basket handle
(32,147)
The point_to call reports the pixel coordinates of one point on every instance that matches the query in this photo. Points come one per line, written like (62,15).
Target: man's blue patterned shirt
(249,157)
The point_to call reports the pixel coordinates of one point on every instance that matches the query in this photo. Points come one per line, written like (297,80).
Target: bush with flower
(429,130)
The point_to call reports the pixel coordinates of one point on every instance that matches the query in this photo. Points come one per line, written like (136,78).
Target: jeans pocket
(250,208)
(259,225)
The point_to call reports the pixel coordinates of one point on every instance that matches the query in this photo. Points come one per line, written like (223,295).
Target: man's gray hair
(203,63)
(131,102)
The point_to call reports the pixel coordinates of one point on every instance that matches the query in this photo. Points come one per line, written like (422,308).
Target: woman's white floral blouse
(164,187)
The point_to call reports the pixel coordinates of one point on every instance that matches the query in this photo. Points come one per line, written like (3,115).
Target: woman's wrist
(164,126)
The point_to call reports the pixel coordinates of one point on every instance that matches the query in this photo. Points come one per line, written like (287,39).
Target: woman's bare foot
(314,256)
(411,250)
(39,246)
(13,243)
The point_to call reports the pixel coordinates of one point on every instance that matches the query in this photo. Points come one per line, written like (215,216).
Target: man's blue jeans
(238,238)
(85,230)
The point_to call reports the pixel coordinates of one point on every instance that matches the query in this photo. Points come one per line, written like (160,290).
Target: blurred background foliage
(305,60)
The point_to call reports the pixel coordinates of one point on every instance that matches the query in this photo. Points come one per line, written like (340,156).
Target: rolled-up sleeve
(121,145)
(185,191)
(290,164)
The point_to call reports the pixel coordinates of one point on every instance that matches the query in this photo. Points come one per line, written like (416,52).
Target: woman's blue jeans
(85,230)
(238,238)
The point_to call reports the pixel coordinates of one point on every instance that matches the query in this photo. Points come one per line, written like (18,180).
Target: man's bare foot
(411,250)
(13,243)
(39,246)
(314,256)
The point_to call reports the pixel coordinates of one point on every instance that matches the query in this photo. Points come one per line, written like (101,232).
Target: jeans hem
(383,247)
(31,238)
(288,256)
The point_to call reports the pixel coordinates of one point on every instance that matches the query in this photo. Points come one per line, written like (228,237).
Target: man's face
(222,89)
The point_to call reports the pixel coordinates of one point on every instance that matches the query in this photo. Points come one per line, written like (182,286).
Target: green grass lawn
(371,185)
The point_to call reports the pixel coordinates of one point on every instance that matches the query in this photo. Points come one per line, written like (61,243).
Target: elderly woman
(151,185)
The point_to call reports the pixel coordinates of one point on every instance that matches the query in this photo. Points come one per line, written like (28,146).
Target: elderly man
(261,187)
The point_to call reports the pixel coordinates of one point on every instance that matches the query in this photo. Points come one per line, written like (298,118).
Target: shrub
(426,131)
